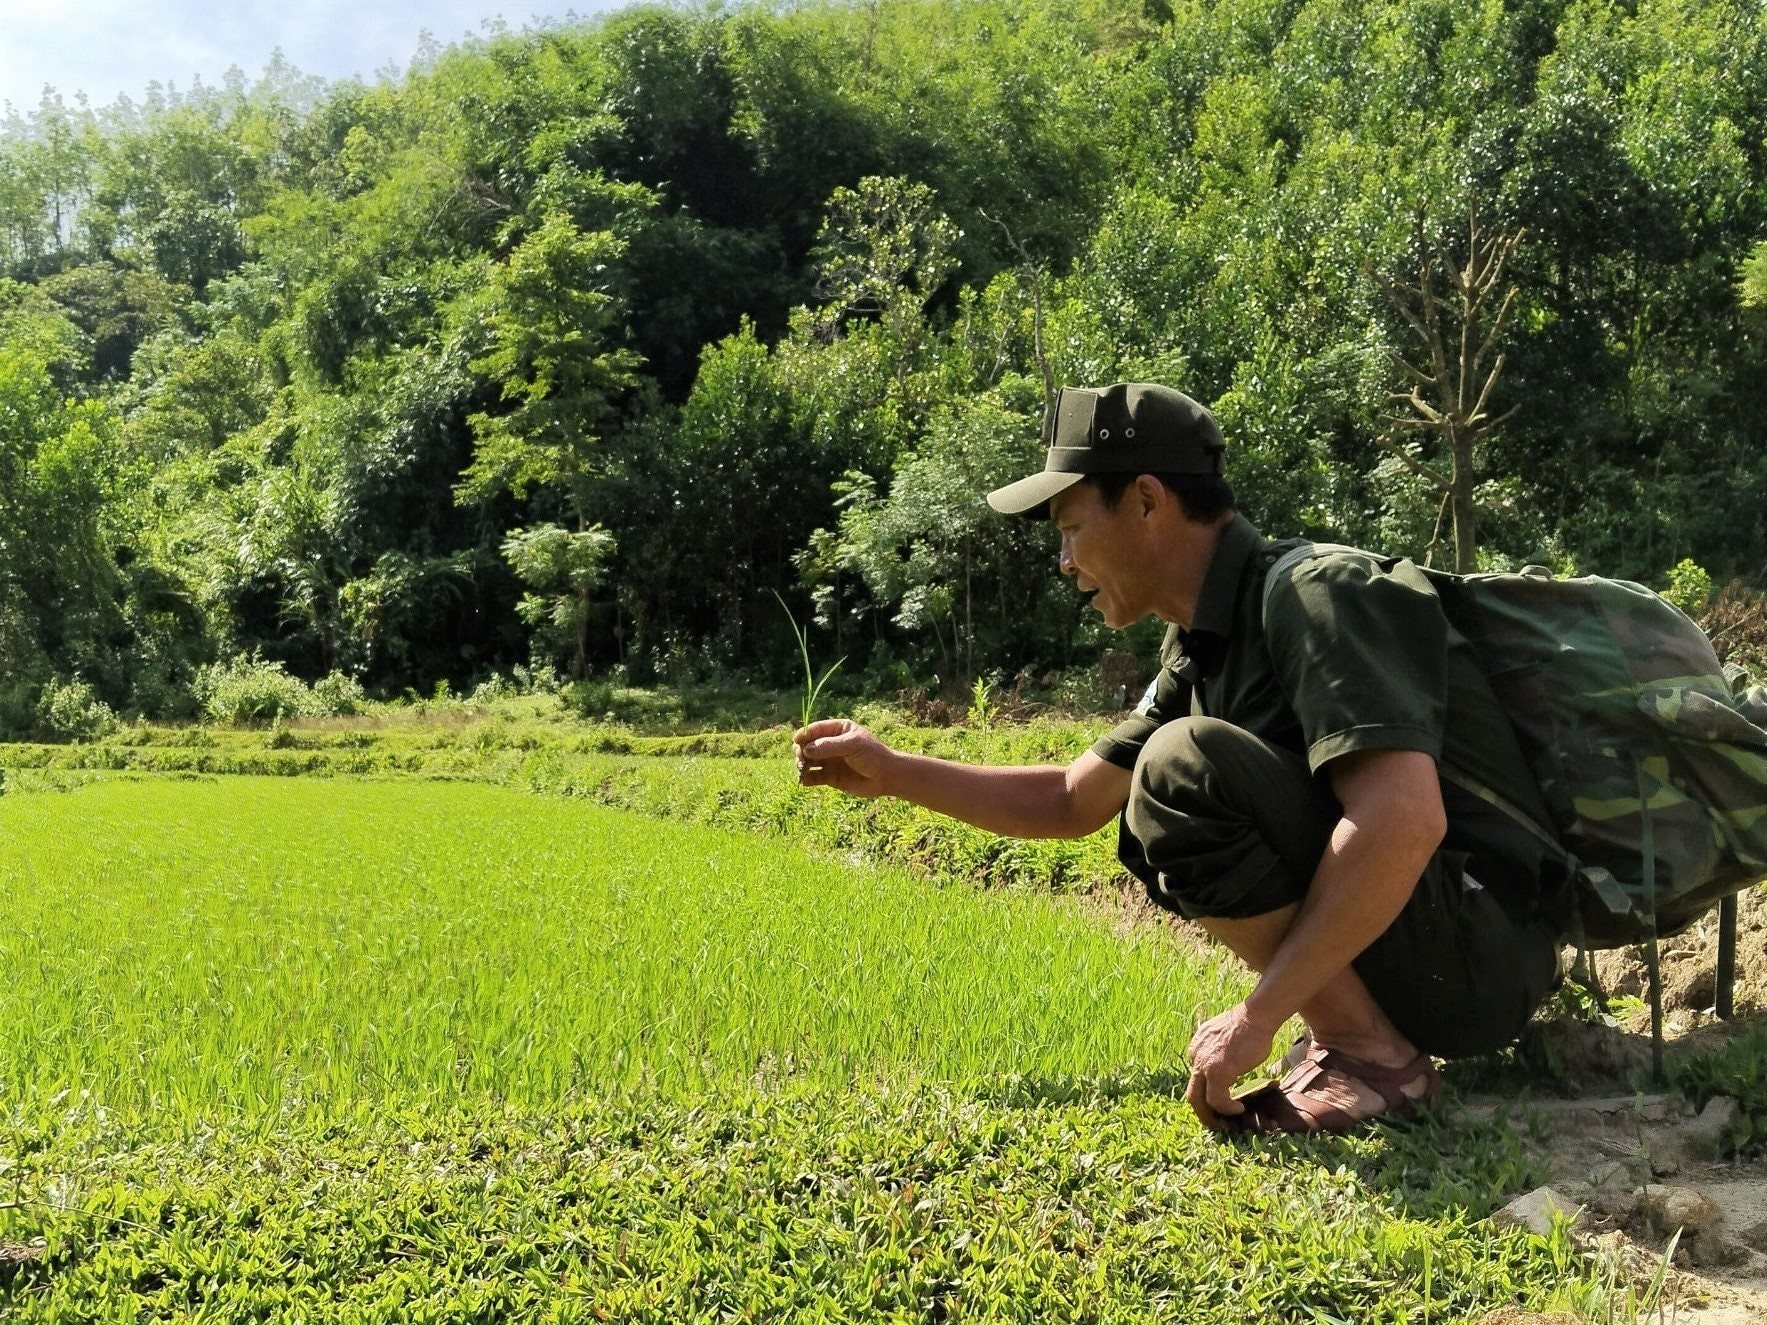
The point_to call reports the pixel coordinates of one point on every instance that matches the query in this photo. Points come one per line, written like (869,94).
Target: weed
(812,683)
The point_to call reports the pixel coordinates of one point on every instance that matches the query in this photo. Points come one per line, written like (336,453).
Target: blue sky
(108,48)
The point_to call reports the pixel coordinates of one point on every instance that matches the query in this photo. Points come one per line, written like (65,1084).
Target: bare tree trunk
(1466,514)
(580,659)
(1450,391)
(1036,274)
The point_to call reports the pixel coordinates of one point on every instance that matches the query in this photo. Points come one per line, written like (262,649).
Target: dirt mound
(1690,966)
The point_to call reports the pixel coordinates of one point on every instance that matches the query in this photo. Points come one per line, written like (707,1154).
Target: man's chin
(1114,622)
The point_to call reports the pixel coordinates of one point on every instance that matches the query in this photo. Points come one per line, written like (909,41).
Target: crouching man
(1280,785)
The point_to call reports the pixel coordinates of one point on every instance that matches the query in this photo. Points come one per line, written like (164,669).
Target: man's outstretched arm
(1020,801)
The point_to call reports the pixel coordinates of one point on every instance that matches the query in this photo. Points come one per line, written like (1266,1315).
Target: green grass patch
(890,1204)
(742,780)
(1737,1069)
(266,941)
(376,1051)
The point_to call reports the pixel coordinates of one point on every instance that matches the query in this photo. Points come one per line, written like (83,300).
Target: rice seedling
(812,683)
(254,941)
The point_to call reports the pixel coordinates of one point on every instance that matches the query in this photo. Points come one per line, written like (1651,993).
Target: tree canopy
(577,345)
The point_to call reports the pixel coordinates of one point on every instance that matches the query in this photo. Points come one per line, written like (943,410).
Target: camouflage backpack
(1651,758)
(1646,755)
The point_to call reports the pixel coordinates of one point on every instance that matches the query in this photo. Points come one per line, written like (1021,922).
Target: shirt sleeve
(1359,645)
(1167,698)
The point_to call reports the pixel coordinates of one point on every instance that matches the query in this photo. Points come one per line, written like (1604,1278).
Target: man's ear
(1151,493)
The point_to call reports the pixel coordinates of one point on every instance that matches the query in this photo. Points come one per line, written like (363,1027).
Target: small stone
(1616,1205)
(1708,1135)
(1755,1235)
(1535,1211)
(1709,1247)
(1612,1176)
(1686,1208)
(1665,1161)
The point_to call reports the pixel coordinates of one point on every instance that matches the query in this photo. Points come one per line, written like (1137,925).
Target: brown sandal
(1332,1092)
(1297,1053)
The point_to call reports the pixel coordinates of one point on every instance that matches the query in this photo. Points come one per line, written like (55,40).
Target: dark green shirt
(1352,653)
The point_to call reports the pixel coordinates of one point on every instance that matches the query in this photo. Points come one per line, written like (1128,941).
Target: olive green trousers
(1220,823)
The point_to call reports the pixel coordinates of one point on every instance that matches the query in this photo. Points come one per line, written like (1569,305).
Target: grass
(740,780)
(376,1051)
(273,940)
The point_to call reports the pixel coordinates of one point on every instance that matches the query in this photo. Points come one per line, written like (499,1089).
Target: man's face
(1105,549)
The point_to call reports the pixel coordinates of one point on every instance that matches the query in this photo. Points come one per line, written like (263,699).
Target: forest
(573,352)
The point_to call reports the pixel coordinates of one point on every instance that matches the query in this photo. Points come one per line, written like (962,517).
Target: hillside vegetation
(571,346)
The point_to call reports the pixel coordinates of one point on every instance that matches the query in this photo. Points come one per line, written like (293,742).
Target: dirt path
(1627,1165)
(1627,1161)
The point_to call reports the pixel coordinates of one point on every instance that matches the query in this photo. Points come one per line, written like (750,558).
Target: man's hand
(1224,1049)
(839,753)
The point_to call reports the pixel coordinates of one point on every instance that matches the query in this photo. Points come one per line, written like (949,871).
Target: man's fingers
(1221,1099)
(822,727)
(1196,1094)
(819,749)
(1211,1096)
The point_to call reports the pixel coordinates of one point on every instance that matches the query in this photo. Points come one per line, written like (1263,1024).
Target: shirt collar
(1218,602)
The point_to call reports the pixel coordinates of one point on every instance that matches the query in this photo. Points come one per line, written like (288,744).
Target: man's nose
(1065,561)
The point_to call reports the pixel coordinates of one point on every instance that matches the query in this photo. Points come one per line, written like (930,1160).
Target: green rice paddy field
(327,1049)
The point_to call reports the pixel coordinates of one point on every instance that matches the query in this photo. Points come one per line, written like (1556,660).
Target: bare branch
(1498,324)
(1429,553)
(1485,392)
(1415,465)
(1411,370)
(1036,309)
(1423,407)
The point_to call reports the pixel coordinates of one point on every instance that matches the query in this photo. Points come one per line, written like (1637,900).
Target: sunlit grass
(257,942)
(292,1049)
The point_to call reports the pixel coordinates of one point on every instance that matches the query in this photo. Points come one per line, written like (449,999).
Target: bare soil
(1603,1144)
(1690,964)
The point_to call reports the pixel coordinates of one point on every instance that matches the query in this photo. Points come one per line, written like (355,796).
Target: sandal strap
(1399,1087)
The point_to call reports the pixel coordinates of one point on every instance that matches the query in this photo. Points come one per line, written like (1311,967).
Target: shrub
(72,711)
(336,695)
(1736,620)
(540,679)
(493,688)
(1690,587)
(248,691)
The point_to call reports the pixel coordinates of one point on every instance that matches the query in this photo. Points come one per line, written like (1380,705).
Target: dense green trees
(580,344)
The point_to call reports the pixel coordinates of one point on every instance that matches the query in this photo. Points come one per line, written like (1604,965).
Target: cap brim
(1031,496)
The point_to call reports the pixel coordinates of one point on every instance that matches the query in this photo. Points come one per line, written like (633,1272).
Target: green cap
(1129,428)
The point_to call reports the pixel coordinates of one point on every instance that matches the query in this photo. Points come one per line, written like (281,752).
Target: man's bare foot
(1375,1050)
